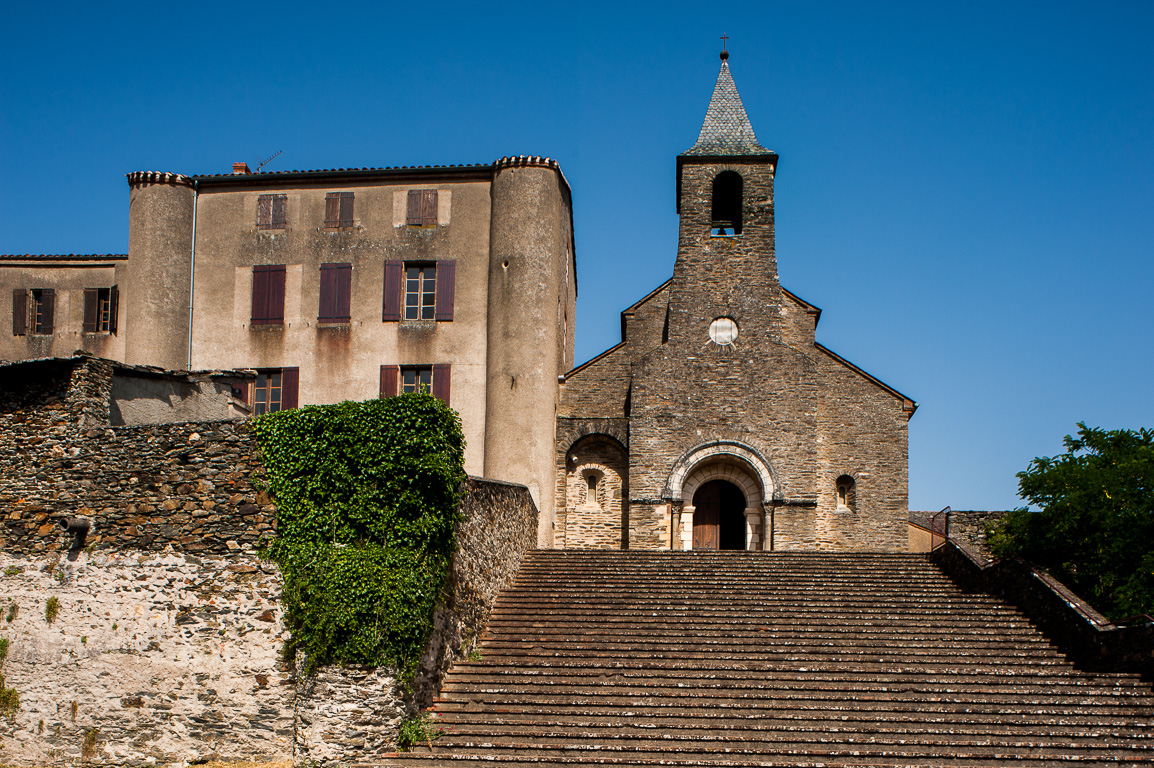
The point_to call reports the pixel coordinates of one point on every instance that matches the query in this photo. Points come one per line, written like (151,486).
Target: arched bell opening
(726,207)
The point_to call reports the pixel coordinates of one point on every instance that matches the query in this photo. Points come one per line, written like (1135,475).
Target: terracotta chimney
(240,169)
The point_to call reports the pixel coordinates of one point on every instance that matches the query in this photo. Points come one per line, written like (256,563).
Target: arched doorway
(718,516)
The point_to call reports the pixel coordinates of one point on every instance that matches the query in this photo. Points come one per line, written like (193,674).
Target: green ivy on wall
(368,498)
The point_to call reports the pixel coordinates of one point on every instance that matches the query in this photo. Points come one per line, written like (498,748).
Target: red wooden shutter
(113,308)
(441,382)
(91,309)
(259,295)
(394,274)
(279,203)
(290,379)
(390,374)
(19,311)
(264,212)
(344,289)
(446,284)
(346,209)
(328,285)
(48,296)
(275,312)
(429,207)
(333,209)
(414,213)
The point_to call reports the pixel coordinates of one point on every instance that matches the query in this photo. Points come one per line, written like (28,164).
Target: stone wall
(165,647)
(190,486)
(163,656)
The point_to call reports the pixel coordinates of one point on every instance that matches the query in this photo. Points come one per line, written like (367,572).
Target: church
(719,421)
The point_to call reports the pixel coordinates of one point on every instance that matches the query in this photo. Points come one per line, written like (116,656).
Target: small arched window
(726,212)
(846,495)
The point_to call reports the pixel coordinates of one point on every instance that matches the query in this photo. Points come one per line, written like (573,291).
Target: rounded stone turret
(530,296)
(157,293)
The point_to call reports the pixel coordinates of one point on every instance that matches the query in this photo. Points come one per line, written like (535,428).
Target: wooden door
(707,516)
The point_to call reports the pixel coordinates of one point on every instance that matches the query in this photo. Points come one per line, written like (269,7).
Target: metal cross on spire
(724,53)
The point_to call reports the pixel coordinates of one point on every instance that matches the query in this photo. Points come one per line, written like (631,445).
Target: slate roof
(726,130)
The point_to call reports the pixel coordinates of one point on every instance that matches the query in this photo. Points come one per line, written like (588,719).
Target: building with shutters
(337,285)
(719,422)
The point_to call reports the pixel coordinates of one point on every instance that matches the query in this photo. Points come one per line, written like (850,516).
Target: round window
(723,330)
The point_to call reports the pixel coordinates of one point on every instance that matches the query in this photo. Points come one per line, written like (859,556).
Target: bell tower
(726,265)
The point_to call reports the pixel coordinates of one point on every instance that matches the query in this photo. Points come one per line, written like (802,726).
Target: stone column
(752,529)
(687,527)
(767,527)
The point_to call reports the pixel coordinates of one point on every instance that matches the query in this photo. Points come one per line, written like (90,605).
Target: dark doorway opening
(719,516)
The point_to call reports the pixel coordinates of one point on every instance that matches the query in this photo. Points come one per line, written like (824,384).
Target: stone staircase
(776,659)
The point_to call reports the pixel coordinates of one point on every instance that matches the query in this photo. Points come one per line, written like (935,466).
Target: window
(270,211)
(419,290)
(726,212)
(420,293)
(338,210)
(275,390)
(100,309)
(434,379)
(336,287)
(268,294)
(422,208)
(33,311)
(845,492)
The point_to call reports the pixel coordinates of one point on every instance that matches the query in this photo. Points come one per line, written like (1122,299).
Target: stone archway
(734,463)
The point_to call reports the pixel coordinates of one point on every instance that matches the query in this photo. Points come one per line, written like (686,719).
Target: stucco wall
(343,362)
(68,279)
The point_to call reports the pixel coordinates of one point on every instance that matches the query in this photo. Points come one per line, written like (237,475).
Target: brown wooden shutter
(344,290)
(91,309)
(390,375)
(113,308)
(276,275)
(279,206)
(48,296)
(264,212)
(19,311)
(328,279)
(446,285)
(333,209)
(346,209)
(441,382)
(290,379)
(394,275)
(259,295)
(414,212)
(429,207)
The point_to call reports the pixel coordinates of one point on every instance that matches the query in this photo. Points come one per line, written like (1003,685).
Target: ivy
(367,499)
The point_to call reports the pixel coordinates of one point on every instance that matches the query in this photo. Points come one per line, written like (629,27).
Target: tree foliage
(367,501)
(1095,530)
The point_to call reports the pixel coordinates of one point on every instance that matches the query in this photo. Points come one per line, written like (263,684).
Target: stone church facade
(719,422)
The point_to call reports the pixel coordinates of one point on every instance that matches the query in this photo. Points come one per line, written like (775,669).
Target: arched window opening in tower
(846,493)
(727,194)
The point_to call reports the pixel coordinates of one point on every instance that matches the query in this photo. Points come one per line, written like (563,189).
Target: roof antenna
(724,53)
(268,160)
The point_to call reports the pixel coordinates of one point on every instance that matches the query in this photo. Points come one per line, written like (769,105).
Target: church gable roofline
(908,404)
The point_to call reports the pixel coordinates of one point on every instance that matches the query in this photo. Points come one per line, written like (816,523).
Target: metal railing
(940,528)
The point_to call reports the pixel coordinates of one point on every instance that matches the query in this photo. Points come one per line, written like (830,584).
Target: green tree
(1095,530)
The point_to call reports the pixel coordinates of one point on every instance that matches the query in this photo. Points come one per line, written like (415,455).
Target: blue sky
(965,189)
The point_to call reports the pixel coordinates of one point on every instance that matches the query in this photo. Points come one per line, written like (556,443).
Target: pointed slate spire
(726,130)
